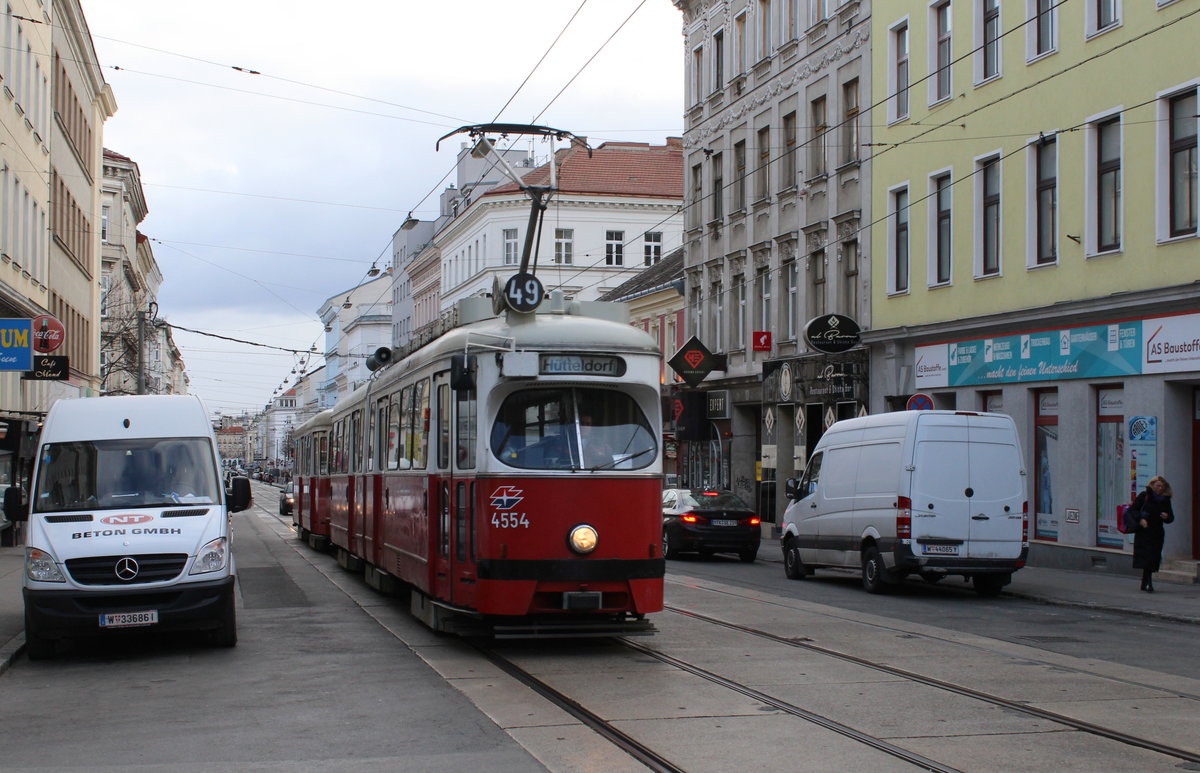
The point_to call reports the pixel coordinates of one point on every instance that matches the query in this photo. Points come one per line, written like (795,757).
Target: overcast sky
(270,193)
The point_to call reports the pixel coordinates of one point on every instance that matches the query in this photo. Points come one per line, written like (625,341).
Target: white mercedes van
(128,523)
(931,493)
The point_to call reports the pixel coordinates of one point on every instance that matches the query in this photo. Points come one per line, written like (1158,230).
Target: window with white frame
(941,53)
(988,190)
(818,11)
(652,244)
(791,274)
(816,284)
(739,176)
(738,334)
(104,223)
(817,145)
(718,59)
(717,334)
(898,73)
(1181,165)
(718,182)
(1102,16)
(1107,184)
(988,45)
(765,37)
(697,74)
(850,278)
(693,214)
(941,245)
(763,288)
(762,174)
(742,43)
(697,312)
(850,117)
(1045,217)
(898,241)
(614,248)
(564,245)
(1041,34)
(788,162)
(512,253)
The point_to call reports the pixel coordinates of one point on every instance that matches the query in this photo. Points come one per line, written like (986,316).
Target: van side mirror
(14,505)
(462,372)
(238,497)
(790,488)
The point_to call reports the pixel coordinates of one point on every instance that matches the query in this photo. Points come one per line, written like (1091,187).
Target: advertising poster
(1143,453)
(16,344)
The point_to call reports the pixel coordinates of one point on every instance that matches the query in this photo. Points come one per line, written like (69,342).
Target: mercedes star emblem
(126,569)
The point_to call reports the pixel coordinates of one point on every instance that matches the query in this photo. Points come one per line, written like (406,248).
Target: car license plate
(721,522)
(129,619)
(942,550)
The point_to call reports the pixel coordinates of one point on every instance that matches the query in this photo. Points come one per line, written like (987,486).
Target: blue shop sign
(16,344)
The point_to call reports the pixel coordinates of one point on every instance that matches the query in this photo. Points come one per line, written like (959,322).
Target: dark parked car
(709,521)
(287,499)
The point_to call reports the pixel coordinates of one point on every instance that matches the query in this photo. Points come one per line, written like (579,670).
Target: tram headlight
(583,539)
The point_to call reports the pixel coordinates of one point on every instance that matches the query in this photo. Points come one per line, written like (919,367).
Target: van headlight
(212,557)
(583,539)
(40,566)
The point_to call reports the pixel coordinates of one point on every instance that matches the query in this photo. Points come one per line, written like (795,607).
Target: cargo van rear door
(997,492)
(940,480)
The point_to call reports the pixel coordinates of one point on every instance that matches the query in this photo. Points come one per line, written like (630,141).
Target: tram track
(1129,739)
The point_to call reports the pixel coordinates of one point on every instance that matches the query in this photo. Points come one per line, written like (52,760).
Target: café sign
(832,333)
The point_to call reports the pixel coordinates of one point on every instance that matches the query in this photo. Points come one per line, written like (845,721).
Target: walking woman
(1154,504)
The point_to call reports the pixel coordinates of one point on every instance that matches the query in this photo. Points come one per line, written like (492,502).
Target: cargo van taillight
(1025,523)
(903,518)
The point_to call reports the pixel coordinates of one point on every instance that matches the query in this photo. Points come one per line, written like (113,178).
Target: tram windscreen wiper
(620,460)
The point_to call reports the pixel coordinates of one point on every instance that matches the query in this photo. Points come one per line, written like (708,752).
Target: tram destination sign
(581,365)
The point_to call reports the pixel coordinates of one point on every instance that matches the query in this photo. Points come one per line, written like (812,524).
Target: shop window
(1046,463)
(1111,486)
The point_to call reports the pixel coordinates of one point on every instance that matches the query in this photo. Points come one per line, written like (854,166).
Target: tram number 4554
(510,521)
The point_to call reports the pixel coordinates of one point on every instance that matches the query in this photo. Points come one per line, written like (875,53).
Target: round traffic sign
(919,402)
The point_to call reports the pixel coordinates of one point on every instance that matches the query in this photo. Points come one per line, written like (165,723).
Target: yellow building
(1036,247)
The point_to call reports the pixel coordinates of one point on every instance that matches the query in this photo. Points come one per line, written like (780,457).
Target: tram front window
(572,428)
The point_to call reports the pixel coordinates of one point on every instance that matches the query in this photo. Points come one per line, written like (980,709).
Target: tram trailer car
(310,513)
(509,474)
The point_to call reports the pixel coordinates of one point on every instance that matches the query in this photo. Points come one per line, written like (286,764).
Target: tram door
(441,489)
(464,433)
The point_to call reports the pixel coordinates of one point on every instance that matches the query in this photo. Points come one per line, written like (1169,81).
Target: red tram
(508,474)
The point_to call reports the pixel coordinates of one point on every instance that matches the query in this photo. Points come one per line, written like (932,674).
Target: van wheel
(669,550)
(990,584)
(38,647)
(793,565)
(226,634)
(748,556)
(874,574)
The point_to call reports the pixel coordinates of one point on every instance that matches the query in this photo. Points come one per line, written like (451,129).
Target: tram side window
(404,428)
(421,424)
(443,426)
(466,419)
(355,442)
(338,444)
(393,431)
(323,453)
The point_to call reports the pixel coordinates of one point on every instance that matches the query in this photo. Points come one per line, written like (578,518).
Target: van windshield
(107,474)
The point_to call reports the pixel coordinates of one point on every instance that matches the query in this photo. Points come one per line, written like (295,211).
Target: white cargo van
(932,493)
(128,523)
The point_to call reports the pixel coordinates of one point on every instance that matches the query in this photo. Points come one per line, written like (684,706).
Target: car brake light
(755,521)
(903,518)
(689,518)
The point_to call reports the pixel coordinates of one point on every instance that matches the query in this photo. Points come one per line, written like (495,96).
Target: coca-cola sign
(48,334)
(832,333)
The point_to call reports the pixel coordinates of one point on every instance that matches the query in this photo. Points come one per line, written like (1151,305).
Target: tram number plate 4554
(510,521)
(129,619)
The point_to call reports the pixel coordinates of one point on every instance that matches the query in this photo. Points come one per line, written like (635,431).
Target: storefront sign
(48,334)
(49,368)
(16,344)
(761,340)
(1143,452)
(832,333)
(692,362)
(718,404)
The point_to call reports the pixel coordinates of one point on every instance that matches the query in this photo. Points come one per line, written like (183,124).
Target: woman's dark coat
(1148,540)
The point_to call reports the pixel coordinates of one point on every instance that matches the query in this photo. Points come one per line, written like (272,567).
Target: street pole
(141,354)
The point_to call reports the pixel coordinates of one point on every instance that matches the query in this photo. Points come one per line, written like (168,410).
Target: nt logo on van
(126,520)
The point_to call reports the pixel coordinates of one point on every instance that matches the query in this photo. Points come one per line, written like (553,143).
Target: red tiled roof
(614,169)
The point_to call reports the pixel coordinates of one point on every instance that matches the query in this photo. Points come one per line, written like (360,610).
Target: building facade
(777,203)
(1036,246)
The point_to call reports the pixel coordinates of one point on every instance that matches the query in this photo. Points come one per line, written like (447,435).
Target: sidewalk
(1091,590)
